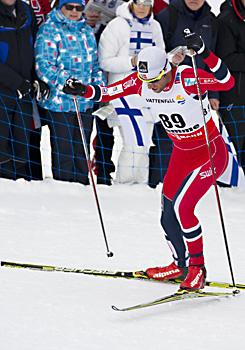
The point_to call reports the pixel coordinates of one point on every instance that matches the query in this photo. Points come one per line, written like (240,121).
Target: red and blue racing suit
(189,175)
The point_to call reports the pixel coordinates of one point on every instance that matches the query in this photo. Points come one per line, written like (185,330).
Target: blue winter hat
(63,2)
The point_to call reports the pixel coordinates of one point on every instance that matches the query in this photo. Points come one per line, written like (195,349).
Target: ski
(138,275)
(179,295)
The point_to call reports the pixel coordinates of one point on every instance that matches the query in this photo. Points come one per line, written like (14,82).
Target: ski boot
(195,278)
(169,272)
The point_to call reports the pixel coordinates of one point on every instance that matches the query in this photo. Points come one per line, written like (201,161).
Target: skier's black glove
(74,87)
(194,42)
(41,90)
(24,89)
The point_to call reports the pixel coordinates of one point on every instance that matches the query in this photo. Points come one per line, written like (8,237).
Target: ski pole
(108,252)
(212,168)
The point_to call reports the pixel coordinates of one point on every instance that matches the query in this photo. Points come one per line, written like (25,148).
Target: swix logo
(206,173)
(164,274)
(196,279)
(129,83)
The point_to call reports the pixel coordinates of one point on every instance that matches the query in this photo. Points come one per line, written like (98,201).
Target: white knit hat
(151,62)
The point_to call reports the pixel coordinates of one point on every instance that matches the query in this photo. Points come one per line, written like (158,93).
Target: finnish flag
(233,175)
(132,117)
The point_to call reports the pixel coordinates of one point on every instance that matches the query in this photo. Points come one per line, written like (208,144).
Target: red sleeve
(41,8)
(219,80)
(159,5)
(131,85)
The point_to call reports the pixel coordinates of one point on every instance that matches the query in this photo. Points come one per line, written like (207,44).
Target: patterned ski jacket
(64,49)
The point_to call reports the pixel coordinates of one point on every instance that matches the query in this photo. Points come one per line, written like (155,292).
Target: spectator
(178,16)
(194,15)
(66,47)
(40,8)
(104,140)
(93,19)
(133,29)
(17,34)
(231,48)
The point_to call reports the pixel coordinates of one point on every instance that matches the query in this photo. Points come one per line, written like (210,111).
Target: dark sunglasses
(78,8)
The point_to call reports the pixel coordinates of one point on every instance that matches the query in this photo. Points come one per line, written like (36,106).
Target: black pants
(234,120)
(103,151)
(68,157)
(159,155)
(15,127)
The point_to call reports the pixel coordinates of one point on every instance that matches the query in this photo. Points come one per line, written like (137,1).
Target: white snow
(57,223)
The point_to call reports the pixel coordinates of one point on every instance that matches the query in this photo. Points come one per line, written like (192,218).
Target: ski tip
(115,308)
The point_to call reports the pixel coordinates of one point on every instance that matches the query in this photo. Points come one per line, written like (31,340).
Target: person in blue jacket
(66,47)
(17,32)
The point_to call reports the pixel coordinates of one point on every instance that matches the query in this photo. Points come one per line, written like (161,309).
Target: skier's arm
(130,85)
(223,78)
(220,80)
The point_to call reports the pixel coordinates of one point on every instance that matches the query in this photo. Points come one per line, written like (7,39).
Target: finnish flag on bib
(233,175)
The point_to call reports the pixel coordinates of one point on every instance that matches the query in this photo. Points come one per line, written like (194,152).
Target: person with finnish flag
(173,95)
(133,29)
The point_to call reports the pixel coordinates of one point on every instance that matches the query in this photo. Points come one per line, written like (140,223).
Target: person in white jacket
(132,30)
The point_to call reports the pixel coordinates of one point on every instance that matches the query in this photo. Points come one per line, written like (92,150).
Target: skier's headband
(163,72)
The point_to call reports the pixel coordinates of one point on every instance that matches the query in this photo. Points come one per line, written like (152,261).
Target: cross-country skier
(172,94)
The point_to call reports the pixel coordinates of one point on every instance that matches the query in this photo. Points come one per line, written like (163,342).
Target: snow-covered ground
(57,223)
